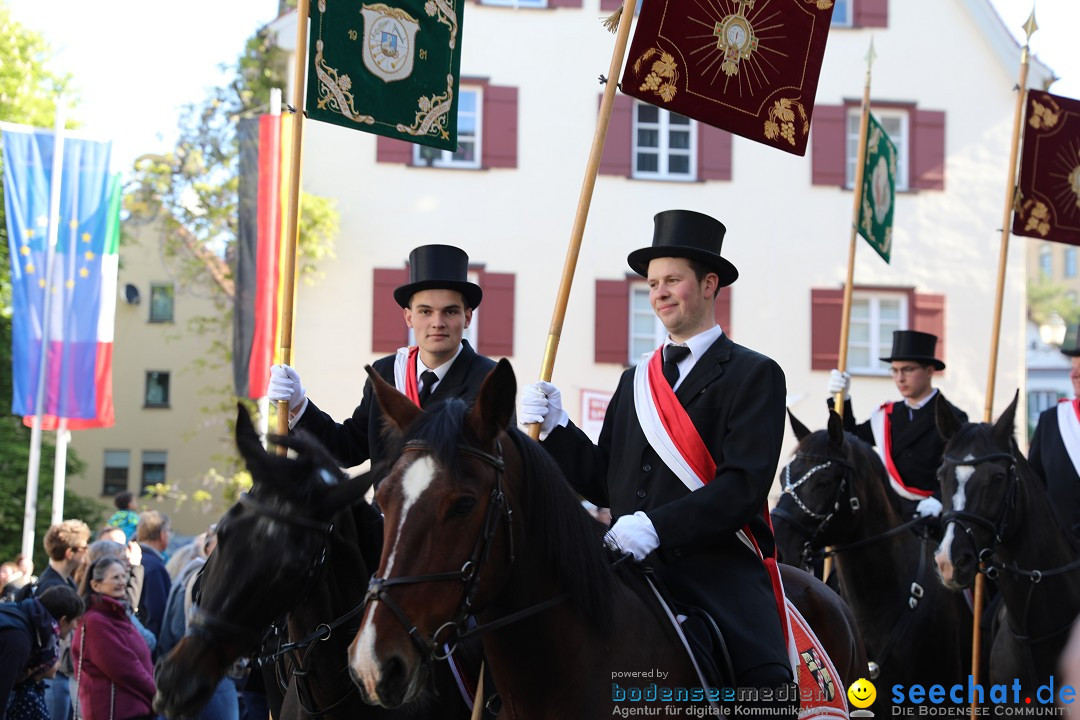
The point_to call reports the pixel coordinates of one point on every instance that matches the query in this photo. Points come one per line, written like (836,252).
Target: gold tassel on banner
(611,22)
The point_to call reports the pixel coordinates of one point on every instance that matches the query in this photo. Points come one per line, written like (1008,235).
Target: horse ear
(945,419)
(248,443)
(836,430)
(493,410)
(396,407)
(345,494)
(1004,427)
(800,430)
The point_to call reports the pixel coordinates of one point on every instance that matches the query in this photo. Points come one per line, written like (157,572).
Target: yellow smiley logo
(862,693)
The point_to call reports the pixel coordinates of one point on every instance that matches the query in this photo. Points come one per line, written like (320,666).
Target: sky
(137,62)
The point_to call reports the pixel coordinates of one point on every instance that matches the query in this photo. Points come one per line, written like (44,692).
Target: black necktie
(429,379)
(673,354)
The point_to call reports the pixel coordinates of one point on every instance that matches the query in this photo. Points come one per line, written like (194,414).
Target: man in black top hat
(905,432)
(687,474)
(438,303)
(1055,447)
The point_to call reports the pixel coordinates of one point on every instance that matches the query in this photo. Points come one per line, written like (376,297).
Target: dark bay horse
(299,543)
(835,494)
(480,521)
(996,511)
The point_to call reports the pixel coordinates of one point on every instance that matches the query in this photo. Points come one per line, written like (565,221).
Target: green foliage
(1046,299)
(28,92)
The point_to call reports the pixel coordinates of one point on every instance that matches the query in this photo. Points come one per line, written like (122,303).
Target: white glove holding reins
(633,534)
(839,382)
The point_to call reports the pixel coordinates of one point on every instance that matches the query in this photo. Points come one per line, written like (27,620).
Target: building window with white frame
(896,123)
(843,15)
(874,317)
(646,331)
(1070,262)
(1046,261)
(468,154)
(665,144)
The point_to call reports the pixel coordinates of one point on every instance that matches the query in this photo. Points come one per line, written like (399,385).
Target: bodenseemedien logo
(861,695)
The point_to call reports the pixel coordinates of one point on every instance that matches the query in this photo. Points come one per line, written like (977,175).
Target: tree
(1050,303)
(28,92)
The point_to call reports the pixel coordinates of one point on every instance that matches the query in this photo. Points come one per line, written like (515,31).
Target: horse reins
(498,510)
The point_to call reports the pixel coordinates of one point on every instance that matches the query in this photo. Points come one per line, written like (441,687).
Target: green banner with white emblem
(878,190)
(387,68)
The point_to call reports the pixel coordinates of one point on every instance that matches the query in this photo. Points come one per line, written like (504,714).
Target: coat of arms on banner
(389,41)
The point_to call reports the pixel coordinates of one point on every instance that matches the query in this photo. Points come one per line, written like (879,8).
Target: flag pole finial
(1030,26)
(871,56)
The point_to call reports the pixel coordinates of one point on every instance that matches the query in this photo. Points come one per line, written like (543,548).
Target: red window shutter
(928,150)
(826,308)
(829,161)
(723,309)
(389,150)
(619,144)
(496,329)
(500,127)
(564,3)
(928,315)
(610,5)
(612,321)
(388,330)
(871,13)
(714,153)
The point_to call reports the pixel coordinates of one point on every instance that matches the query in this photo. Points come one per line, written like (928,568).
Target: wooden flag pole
(1010,191)
(288,304)
(585,198)
(845,317)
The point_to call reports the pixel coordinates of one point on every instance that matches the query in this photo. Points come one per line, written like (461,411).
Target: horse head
(447,534)
(271,545)
(978,492)
(827,488)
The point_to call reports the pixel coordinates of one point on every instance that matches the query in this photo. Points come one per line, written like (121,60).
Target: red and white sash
(405,373)
(881,427)
(671,433)
(1068,417)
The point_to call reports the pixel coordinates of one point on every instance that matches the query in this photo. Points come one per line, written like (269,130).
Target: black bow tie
(673,355)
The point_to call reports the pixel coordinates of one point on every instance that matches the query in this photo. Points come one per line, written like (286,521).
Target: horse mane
(866,459)
(570,541)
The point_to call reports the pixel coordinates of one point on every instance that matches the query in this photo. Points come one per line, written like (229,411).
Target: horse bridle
(791,488)
(998,527)
(498,509)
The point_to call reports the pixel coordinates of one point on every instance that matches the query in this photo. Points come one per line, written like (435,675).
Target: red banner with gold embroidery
(1048,195)
(746,66)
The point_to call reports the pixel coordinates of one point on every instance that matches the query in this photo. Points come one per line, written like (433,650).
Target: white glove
(928,507)
(839,382)
(541,403)
(285,385)
(633,534)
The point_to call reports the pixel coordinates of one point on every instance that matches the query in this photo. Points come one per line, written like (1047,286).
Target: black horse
(299,544)
(835,495)
(997,513)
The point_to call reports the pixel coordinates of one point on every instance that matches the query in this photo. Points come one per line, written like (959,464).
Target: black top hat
(686,234)
(916,346)
(439,267)
(1070,346)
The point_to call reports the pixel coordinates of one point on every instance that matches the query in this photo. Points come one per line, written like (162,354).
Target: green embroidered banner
(878,190)
(387,68)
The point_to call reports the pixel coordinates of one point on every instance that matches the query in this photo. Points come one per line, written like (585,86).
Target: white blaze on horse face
(363,658)
(943,556)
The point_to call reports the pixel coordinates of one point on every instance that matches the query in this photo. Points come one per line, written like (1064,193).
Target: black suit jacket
(359,438)
(1050,460)
(917,446)
(735,397)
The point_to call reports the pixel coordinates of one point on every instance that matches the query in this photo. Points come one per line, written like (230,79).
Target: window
(664,144)
(116,471)
(516,3)
(153,468)
(1046,261)
(842,15)
(470,101)
(157,389)
(646,331)
(873,320)
(895,123)
(161,303)
(1070,262)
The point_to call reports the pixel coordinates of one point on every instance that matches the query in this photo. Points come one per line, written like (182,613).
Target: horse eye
(462,506)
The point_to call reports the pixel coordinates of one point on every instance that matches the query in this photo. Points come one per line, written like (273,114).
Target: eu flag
(82,284)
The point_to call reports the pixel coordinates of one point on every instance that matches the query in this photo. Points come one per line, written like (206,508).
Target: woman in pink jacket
(112,662)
